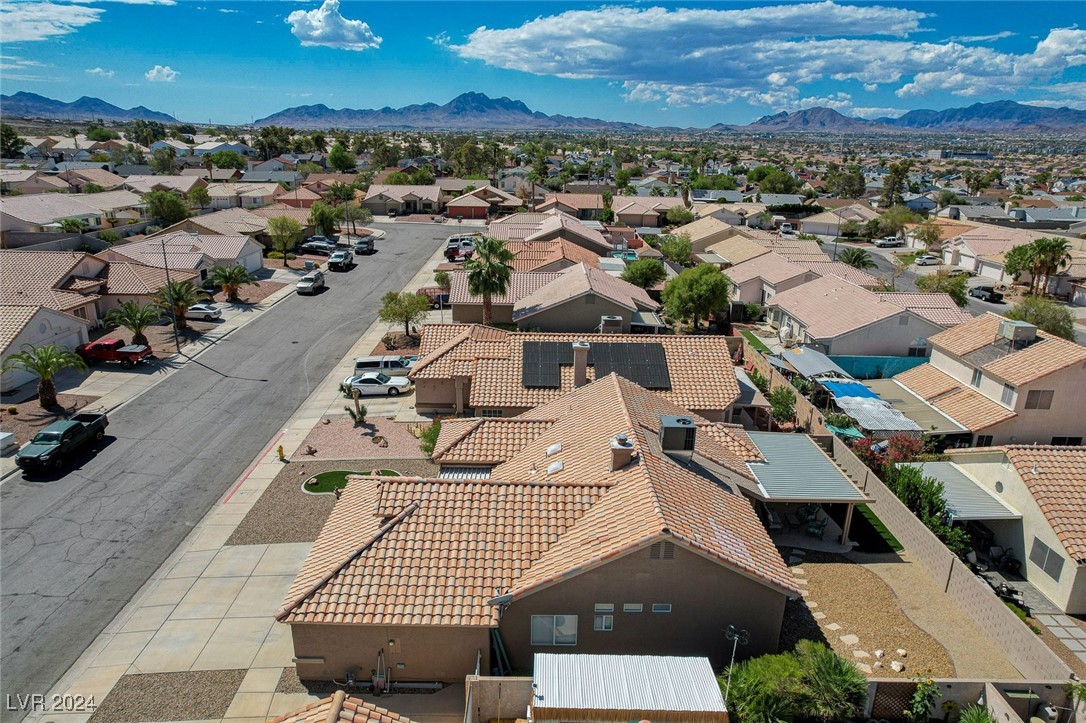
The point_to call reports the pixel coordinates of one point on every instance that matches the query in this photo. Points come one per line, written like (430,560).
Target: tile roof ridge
(336,706)
(444,349)
(468,429)
(285,609)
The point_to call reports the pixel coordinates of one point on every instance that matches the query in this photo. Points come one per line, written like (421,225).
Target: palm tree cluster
(489,272)
(857,258)
(1043,258)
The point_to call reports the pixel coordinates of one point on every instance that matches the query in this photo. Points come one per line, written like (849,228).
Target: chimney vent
(677,436)
(580,363)
(621,451)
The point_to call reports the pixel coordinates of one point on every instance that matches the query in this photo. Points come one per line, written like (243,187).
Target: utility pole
(169,296)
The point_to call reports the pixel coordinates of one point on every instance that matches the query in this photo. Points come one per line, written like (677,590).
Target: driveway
(75,549)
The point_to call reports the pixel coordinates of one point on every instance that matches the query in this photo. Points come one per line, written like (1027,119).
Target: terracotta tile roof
(737,249)
(275,210)
(529,256)
(701,376)
(143,183)
(409,551)
(520,285)
(228,221)
(829,307)
(841,271)
(1056,477)
(38,278)
(578,281)
(853,212)
(578,201)
(486,441)
(960,402)
(569,228)
(937,308)
(46,208)
(1045,356)
(398,193)
(341,708)
(645,205)
(772,268)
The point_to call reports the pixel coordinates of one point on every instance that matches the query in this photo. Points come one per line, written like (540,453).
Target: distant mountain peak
(810,119)
(31,105)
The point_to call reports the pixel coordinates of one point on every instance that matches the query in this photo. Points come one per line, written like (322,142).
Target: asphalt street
(74,550)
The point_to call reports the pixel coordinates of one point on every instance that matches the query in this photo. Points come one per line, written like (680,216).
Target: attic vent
(662,551)
(555,467)
(554,449)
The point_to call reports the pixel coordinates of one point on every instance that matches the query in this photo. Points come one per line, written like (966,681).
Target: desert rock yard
(341,438)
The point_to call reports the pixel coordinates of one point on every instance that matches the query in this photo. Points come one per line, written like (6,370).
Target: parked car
(392,213)
(52,447)
(376,383)
(887,242)
(341,261)
(318,238)
(986,293)
(955,273)
(460,241)
(437,296)
(926,260)
(455,254)
(397,366)
(207,312)
(787,229)
(113,350)
(320,248)
(311,282)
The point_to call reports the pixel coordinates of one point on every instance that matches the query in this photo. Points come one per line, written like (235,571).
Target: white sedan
(376,383)
(928,261)
(207,312)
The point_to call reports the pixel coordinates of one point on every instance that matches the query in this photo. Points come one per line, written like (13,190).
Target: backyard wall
(492,698)
(1019,644)
(808,416)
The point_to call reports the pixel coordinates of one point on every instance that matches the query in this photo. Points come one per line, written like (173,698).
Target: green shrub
(428,440)
(291,257)
(976,714)
(842,421)
(275,254)
(1022,616)
(766,689)
(833,688)
(759,380)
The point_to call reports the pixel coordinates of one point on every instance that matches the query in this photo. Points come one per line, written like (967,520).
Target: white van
(394,366)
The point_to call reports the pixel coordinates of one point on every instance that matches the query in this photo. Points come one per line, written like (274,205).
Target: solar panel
(540,369)
(643,364)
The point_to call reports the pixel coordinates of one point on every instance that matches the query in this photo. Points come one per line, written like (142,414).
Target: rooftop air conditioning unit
(677,436)
(610,324)
(1018,332)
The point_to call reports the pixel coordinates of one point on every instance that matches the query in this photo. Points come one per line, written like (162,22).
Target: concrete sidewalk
(209,606)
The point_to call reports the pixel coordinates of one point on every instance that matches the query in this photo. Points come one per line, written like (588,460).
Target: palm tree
(231,279)
(135,318)
(44,362)
(857,258)
(1052,254)
(176,297)
(489,272)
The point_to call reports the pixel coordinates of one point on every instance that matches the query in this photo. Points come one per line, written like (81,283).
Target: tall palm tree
(856,258)
(231,278)
(176,297)
(1053,254)
(135,318)
(44,362)
(489,272)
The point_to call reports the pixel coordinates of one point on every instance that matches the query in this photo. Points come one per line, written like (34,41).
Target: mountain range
(32,105)
(477,111)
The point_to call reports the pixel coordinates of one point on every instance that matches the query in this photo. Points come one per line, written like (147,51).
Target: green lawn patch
(329,482)
(755,342)
(880,528)
(907,259)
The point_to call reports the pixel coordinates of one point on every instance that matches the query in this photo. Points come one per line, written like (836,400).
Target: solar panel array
(642,363)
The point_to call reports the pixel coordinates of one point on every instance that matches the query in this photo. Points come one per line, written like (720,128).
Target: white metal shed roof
(626,683)
(796,469)
(966,499)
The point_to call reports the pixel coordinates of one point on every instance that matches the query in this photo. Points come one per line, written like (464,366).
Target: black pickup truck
(53,446)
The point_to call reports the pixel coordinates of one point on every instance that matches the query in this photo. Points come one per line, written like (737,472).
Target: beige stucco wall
(581,314)
(46,327)
(1001,479)
(435,396)
(705,597)
(427,653)
(473,313)
(884,338)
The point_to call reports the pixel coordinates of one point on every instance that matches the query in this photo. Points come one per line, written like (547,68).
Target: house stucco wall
(705,597)
(473,313)
(581,314)
(888,337)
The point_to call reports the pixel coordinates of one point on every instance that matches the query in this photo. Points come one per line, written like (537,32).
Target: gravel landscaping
(31,417)
(195,695)
(844,600)
(252,294)
(285,513)
(342,439)
(402,344)
(159,337)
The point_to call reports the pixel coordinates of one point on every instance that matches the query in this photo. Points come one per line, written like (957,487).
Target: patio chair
(816,528)
(807,513)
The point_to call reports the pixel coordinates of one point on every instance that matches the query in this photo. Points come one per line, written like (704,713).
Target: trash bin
(309,265)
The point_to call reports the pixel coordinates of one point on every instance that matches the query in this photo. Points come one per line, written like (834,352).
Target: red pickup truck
(113,350)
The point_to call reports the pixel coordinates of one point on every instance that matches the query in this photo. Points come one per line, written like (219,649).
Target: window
(984,440)
(663,550)
(661,607)
(81,313)
(603,623)
(490,412)
(604,608)
(1008,395)
(1047,559)
(903,320)
(1039,399)
(632,607)
(975,381)
(1067,441)
(554,630)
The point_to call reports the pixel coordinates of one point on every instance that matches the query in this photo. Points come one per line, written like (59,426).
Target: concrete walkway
(209,606)
(974,655)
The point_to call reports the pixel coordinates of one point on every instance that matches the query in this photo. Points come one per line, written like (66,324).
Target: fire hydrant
(282,455)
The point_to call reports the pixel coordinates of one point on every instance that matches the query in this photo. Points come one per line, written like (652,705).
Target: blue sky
(685,64)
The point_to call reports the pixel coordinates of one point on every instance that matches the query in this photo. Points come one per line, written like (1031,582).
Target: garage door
(990,271)
(252,261)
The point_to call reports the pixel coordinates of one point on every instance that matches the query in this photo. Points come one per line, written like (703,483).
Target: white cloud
(228,10)
(326,26)
(768,55)
(29,21)
(100,72)
(981,38)
(161,74)
(872,113)
(14,67)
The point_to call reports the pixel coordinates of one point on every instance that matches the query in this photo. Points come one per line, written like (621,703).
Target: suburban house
(738,243)
(180,248)
(704,232)
(947,230)
(220,146)
(1004,382)
(45,212)
(467,368)
(321,182)
(65,281)
(549,255)
(572,531)
(224,223)
(840,318)
(215,175)
(468,309)
(644,210)
(36,325)
(843,271)
(1042,492)
(975,213)
(382,199)
(584,206)
(299,198)
(733,214)
(244,195)
(481,203)
(586,299)
(981,249)
(142,184)
(829,223)
(756,280)
(551,226)
(179,148)
(30,181)
(78,179)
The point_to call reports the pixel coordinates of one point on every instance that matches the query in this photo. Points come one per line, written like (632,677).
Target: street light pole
(169,296)
(736,636)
